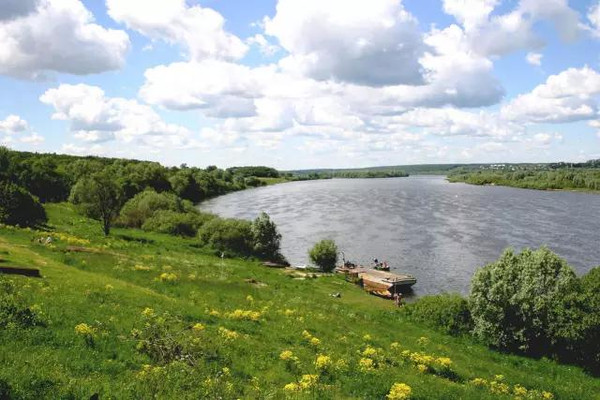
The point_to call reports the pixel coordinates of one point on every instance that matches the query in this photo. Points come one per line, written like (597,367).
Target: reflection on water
(438,231)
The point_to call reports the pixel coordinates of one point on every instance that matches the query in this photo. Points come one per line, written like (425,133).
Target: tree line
(551,178)
(136,194)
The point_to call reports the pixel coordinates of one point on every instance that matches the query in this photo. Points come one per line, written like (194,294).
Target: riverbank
(576,180)
(140,314)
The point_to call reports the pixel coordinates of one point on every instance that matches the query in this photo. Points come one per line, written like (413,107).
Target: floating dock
(381,283)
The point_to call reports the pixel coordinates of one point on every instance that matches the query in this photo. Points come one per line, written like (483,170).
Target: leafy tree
(265,237)
(98,197)
(18,207)
(519,302)
(143,205)
(324,254)
(231,236)
(176,223)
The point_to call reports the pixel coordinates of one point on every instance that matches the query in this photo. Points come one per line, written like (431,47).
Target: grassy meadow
(144,315)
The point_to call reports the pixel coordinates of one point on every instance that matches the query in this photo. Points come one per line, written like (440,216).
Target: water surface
(438,231)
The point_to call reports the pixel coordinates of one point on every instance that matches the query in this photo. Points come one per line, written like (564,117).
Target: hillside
(140,314)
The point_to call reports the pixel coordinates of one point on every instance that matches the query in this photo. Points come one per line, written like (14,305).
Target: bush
(230,236)
(324,254)
(446,312)
(19,207)
(143,206)
(176,223)
(519,302)
(13,310)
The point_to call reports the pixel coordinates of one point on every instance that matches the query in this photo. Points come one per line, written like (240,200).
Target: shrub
(518,302)
(324,254)
(176,223)
(19,207)
(143,206)
(446,312)
(230,236)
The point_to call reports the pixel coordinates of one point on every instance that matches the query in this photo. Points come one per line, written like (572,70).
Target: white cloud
(371,43)
(58,36)
(565,97)
(534,58)
(96,118)
(34,139)
(499,34)
(594,18)
(200,30)
(266,48)
(13,124)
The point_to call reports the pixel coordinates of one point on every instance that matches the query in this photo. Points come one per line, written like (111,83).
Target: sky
(298,84)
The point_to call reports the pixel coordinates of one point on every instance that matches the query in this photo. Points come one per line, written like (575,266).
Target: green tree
(265,238)
(518,302)
(230,236)
(324,254)
(98,197)
(19,207)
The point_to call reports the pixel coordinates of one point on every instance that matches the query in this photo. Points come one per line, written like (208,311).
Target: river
(439,232)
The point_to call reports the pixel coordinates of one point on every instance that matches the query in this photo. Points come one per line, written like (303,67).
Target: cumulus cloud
(370,43)
(565,97)
(13,124)
(16,8)
(34,139)
(594,18)
(94,118)
(200,30)
(266,48)
(57,36)
(499,34)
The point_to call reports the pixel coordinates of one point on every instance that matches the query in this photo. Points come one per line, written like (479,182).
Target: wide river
(438,231)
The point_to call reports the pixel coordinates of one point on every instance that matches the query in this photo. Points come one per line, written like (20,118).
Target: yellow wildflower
(291,387)
(547,395)
(109,287)
(422,368)
(369,352)
(214,313)
(228,334)
(308,381)
(519,390)
(395,346)
(249,298)
(423,341)
(168,277)
(198,327)
(444,362)
(306,334)
(341,365)
(287,355)
(399,391)
(366,365)
(367,337)
(315,341)
(84,329)
(148,312)
(323,362)
(141,268)
(480,382)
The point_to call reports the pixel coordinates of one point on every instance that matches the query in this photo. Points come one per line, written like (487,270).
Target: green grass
(273,181)
(109,288)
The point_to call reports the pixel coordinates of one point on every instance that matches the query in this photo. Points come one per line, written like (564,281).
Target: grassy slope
(54,362)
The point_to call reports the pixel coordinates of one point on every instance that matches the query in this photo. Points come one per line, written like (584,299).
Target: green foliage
(518,302)
(98,197)
(446,312)
(259,172)
(176,223)
(544,179)
(14,313)
(18,207)
(266,240)
(324,254)
(229,236)
(143,205)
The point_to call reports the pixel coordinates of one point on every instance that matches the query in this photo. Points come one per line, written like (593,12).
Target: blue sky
(302,84)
